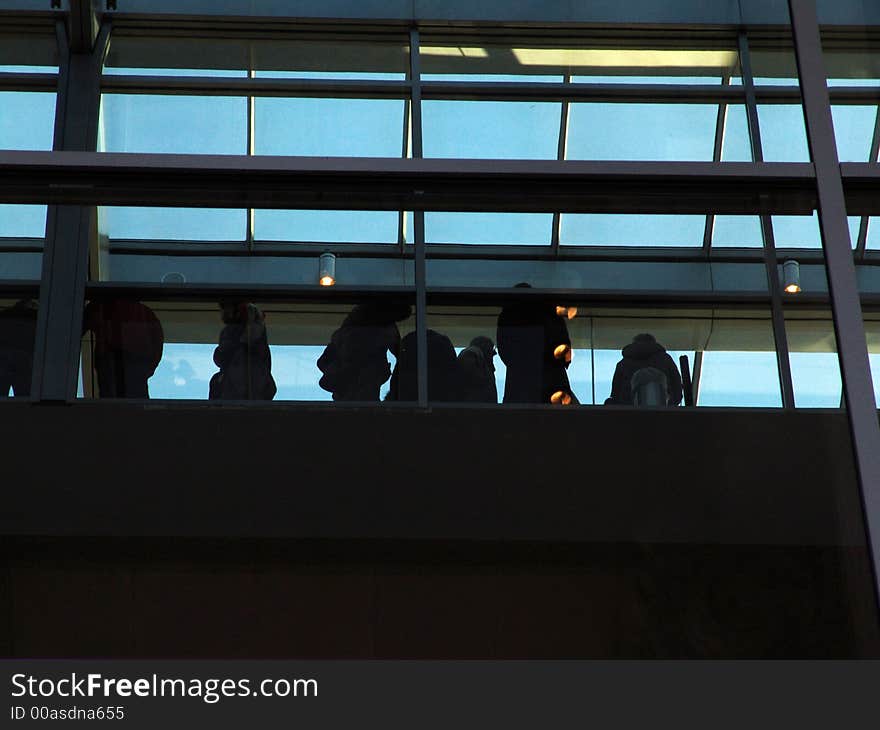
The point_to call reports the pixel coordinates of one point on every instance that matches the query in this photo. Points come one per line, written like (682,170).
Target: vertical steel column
(420,272)
(852,350)
(561,151)
(68,229)
(718,147)
(783,363)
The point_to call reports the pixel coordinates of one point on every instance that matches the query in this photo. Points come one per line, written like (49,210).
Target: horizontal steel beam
(861,184)
(28,82)
(210,86)
(223,181)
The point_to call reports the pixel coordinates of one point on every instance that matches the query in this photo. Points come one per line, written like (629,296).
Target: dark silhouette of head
(485,345)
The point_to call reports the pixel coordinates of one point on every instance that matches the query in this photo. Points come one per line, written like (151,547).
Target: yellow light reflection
(327,281)
(625,58)
(793,288)
(560,397)
(456,51)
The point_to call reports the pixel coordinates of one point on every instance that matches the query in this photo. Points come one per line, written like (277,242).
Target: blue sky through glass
(623,131)
(348,226)
(491,129)
(328,127)
(27,122)
(488,228)
(853,130)
(618,229)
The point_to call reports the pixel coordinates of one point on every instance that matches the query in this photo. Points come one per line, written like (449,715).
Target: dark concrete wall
(166,530)
(587,474)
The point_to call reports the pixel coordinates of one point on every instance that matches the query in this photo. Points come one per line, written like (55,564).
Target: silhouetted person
(533,343)
(476,372)
(355,363)
(644,352)
(442,370)
(242,355)
(128,346)
(18,328)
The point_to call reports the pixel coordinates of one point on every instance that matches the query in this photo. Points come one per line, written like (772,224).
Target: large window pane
(617,229)
(491,129)
(345,226)
(27,120)
(22,221)
(171,224)
(853,130)
(623,131)
(738,362)
(489,228)
(174,124)
(783,135)
(329,127)
(815,369)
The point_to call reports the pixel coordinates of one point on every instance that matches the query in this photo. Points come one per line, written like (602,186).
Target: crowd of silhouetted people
(531,339)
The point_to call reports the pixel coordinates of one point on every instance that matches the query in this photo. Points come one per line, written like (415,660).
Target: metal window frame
(846,309)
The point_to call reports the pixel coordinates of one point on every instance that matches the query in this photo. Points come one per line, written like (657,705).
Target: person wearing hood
(644,352)
(476,370)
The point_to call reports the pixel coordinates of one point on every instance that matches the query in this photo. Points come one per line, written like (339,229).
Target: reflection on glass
(491,129)
(625,131)
(329,127)
(491,59)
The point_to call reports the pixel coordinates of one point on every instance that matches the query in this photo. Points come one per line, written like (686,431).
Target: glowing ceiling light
(327,269)
(791,276)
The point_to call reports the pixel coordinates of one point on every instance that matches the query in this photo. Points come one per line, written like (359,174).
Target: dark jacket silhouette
(476,372)
(442,370)
(355,363)
(644,352)
(127,347)
(528,336)
(243,356)
(18,328)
